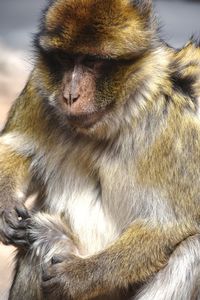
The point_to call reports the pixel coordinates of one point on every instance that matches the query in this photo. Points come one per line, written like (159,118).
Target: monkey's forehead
(111,27)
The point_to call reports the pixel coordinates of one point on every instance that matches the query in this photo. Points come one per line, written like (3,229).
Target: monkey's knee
(49,235)
(180,279)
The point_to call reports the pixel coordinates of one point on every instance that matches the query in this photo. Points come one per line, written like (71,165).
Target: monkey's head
(88,53)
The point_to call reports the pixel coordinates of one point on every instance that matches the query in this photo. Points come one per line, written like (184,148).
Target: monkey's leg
(139,253)
(27,281)
(47,235)
(180,279)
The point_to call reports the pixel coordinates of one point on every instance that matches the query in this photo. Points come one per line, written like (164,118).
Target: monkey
(107,132)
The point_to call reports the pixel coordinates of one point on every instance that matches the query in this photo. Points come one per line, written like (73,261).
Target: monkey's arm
(138,254)
(49,234)
(17,147)
(14,179)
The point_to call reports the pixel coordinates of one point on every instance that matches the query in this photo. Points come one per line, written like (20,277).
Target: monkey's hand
(49,234)
(13,223)
(14,179)
(138,254)
(69,278)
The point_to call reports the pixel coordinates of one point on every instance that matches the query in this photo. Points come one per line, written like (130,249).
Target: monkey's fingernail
(22,212)
(46,277)
(56,260)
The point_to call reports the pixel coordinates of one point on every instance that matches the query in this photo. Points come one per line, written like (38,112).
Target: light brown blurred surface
(14,71)
(6,266)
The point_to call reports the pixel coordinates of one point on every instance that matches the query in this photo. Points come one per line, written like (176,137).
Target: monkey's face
(87,51)
(83,87)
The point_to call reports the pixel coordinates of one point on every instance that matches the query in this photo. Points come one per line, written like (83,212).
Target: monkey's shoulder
(185,70)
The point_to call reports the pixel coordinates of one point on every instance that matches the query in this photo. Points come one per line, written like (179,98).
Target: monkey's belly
(94,229)
(87,218)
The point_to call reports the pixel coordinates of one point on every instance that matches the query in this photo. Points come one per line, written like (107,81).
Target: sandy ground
(14,71)
(6,266)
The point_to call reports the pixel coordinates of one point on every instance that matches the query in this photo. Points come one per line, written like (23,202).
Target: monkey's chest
(79,199)
(98,210)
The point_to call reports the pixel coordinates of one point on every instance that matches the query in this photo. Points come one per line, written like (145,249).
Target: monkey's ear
(144,6)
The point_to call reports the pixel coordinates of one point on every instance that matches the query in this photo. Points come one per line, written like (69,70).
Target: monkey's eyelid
(62,56)
(102,58)
(91,60)
(55,53)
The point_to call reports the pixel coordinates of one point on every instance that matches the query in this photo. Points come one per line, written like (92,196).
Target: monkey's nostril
(71,99)
(74,99)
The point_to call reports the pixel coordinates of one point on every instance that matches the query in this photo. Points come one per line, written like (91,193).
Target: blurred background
(179,19)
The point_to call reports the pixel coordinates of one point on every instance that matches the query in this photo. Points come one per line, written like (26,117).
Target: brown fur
(98,24)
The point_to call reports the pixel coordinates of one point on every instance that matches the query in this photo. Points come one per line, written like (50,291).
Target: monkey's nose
(71,99)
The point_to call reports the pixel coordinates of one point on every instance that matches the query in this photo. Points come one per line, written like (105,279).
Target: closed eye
(90,62)
(63,58)
(94,62)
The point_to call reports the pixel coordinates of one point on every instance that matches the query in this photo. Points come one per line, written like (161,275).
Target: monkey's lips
(85,120)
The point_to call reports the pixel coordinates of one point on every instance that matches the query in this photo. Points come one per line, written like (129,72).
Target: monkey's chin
(85,121)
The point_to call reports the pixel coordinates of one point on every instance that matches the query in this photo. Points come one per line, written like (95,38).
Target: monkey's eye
(92,62)
(64,59)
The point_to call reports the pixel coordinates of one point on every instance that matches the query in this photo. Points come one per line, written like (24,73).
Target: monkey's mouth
(85,120)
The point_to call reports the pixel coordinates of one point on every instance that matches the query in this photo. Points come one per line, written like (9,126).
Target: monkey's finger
(22,212)
(12,221)
(4,239)
(46,277)
(9,242)
(52,285)
(11,217)
(54,288)
(20,243)
(49,271)
(49,287)
(16,234)
(57,259)
(15,223)
(6,230)
(23,224)
(16,237)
